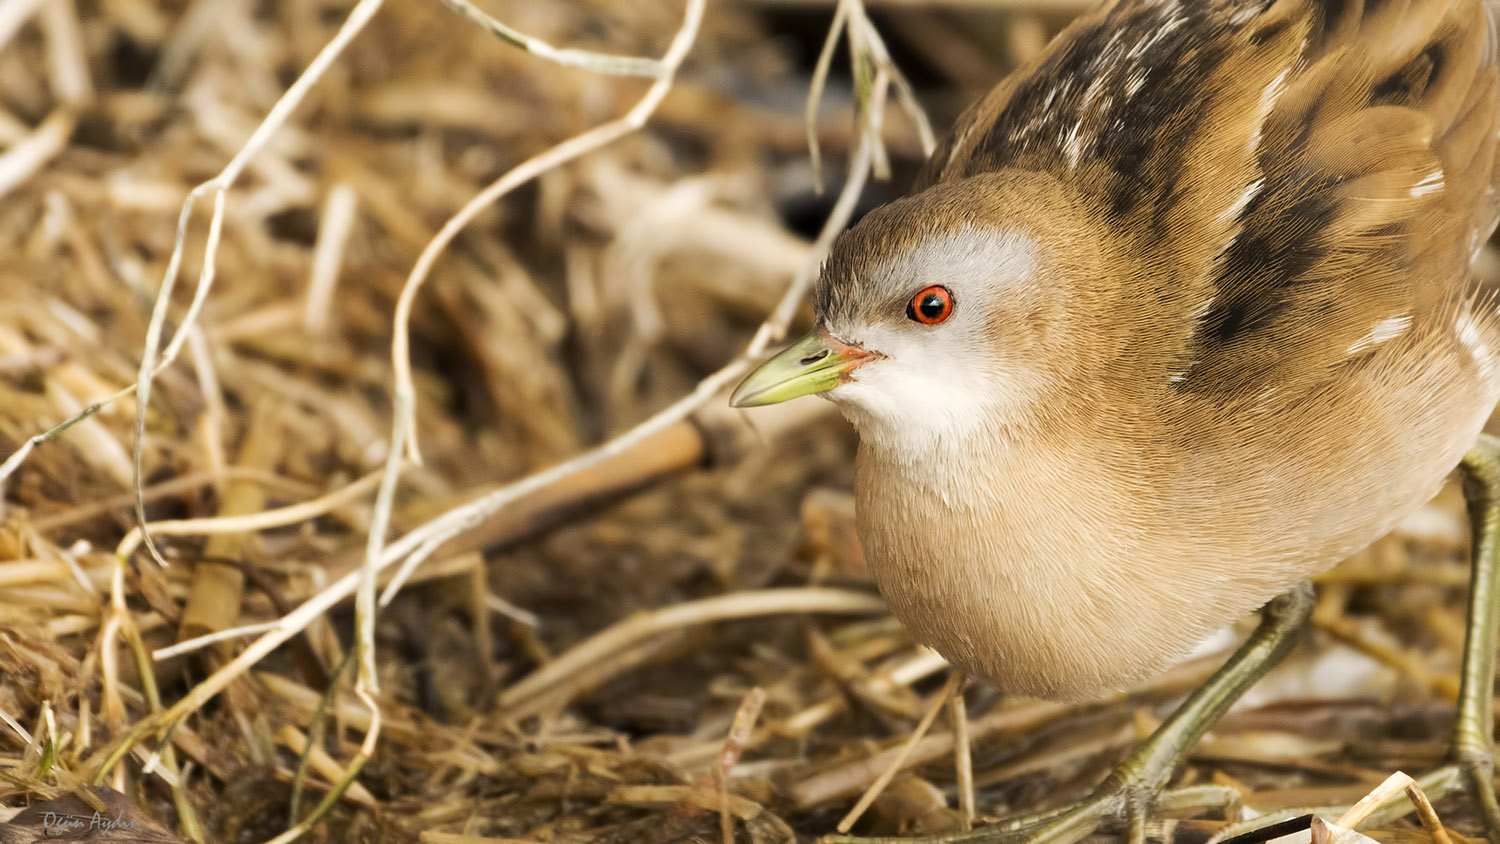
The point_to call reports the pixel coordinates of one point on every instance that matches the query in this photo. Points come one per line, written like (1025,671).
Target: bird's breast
(1069,566)
(1023,571)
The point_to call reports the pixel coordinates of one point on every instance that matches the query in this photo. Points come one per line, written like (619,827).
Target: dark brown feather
(1287,174)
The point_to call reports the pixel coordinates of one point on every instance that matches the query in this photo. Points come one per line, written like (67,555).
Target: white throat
(934,432)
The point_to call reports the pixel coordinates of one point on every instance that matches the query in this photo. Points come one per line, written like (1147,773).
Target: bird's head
(963,307)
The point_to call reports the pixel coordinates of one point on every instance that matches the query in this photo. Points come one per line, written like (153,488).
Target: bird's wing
(1291,174)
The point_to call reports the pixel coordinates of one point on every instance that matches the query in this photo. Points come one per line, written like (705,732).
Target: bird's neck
(942,466)
(991,458)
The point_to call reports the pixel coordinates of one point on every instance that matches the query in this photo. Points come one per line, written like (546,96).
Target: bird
(1178,315)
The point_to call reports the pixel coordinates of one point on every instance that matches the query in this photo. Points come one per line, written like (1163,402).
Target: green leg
(1471,758)
(1131,790)
(1127,796)
(1473,732)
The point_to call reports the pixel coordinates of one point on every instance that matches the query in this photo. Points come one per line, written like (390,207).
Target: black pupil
(932,306)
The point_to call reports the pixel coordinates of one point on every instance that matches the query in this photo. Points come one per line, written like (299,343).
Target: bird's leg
(1471,758)
(1129,793)
(1473,730)
(1125,799)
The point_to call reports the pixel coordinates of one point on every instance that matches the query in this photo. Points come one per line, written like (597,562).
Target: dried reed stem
(963,760)
(628,631)
(26,157)
(336,223)
(250,522)
(899,761)
(14,13)
(595,62)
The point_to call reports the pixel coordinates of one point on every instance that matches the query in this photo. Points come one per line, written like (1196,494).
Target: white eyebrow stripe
(978,259)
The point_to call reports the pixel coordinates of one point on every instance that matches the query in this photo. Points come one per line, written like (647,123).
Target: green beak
(815,364)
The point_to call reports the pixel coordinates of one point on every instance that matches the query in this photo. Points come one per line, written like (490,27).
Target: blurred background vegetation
(566,313)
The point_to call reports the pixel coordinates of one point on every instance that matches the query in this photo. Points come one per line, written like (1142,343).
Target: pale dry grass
(551,269)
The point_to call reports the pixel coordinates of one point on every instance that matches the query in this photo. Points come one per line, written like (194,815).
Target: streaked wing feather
(1289,174)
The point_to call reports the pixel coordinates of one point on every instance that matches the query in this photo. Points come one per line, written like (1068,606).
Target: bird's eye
(930,306)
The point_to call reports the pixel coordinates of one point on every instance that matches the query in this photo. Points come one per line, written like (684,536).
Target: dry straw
(404,245)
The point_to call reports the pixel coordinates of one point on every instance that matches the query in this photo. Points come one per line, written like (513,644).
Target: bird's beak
(815,364)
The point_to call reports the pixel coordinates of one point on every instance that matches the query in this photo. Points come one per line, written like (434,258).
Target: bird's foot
(1122,805)
(1464,773)
(1138,786)
(1476,768)
(1123,808)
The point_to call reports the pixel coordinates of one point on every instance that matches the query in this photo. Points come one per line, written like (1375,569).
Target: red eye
(931,306)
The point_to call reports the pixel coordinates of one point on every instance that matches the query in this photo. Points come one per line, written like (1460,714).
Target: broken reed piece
(716,435)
